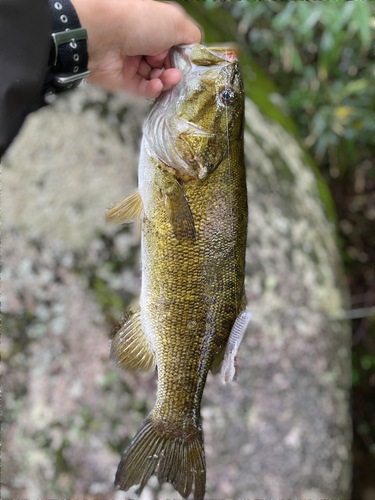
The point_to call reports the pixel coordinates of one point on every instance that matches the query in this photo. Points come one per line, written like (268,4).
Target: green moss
(282,168)
(91,424)
(61,464)
(324,191)
(111,302)
(15,327)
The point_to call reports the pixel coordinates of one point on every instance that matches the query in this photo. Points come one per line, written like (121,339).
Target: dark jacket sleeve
(25,29)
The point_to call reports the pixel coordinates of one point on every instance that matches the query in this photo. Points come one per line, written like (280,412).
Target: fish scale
(193,205)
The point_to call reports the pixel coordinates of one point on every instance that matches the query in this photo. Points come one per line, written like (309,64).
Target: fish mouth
(182,55)
(228,51)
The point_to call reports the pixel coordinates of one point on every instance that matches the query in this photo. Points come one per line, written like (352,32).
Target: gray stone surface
(69,164)
(281,431)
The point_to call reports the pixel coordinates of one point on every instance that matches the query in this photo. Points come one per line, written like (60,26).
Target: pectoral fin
(130,348)
(228,369)
(129,210)
(179,213)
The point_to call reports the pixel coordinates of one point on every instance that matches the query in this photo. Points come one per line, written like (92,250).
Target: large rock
(281,431)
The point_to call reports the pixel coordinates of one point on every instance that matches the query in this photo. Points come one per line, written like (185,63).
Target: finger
(152,88)
(166,64)
(158,60)
(162,60)
(144,69)
(170,77)
(144,87)
(163,80)
(156,73)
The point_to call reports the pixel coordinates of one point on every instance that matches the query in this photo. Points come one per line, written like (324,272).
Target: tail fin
(175,455)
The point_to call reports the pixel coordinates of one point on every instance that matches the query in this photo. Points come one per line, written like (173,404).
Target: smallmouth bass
(192,202)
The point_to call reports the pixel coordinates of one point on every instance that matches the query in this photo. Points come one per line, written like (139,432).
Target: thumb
(187,30)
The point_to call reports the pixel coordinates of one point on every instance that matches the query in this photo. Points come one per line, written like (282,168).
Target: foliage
(319,55)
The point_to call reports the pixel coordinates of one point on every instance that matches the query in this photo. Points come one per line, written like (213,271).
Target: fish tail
(174,454)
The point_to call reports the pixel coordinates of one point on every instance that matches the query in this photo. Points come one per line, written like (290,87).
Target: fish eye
(227,95)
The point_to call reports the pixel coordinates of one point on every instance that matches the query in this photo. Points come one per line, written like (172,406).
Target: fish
(192,204)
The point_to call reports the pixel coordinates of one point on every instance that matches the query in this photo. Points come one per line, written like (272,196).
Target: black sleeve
(25,34)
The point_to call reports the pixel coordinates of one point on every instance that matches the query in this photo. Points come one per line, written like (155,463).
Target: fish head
(192,126)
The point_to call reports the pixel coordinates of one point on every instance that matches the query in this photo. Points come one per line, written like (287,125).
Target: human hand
(129,42)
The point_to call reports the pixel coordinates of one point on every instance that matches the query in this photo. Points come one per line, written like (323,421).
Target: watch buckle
(64,80)
(61,38)
(67,36)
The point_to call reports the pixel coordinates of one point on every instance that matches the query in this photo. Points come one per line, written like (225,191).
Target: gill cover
(190,126)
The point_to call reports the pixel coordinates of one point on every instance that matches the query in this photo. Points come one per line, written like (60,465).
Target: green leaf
(355,378)
(362,15)
(313,18)
(367,362)
(297,63)
(327,41)
(282,20)
(343,15)
(353,87)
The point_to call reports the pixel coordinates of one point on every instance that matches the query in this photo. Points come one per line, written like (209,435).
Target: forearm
(25,29)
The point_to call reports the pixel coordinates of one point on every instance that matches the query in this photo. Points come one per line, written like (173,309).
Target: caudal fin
(174,455)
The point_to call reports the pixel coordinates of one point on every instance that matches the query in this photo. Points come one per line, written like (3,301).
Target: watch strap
(69,54)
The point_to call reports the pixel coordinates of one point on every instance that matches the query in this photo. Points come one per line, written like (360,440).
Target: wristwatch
(69,55)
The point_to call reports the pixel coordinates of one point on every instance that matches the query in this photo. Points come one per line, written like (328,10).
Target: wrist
(101,20)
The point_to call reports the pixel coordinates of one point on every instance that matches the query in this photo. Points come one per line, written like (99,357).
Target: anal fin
(228,369)
(130,347)
(129,210)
